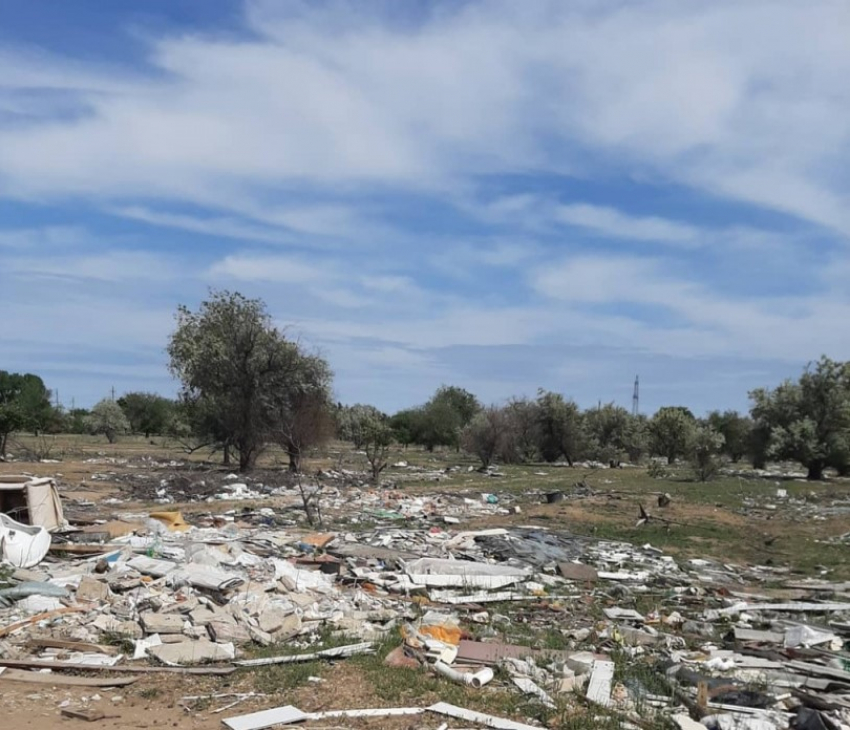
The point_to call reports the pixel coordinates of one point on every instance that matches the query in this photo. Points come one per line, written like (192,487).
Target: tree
(107,418)
(736,431)
(34,400)
(352,419)
(74,421)
(24,404)
(438,424)
(377,439)
(522,427)
(147,413)
(485,434)
(561,427)
(405,425)
(440,421)
(613,432)
(461,401)
(302,410)
(670,432)
(706,444)
(11,413)
(808,421)
(636,438)
(233,361)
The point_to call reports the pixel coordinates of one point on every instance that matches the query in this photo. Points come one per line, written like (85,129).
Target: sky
(493,194)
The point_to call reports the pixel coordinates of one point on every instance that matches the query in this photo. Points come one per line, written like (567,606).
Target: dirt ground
(730,519)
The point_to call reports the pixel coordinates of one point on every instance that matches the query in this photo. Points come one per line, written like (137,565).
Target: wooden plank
(19,675)
(71,645)
(88,714)
(78,549)
(338,652)
(72,667)
(11,628)
(819,670)
(599,688)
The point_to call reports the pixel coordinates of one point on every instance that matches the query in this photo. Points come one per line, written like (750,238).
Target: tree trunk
(294,460)
(3,438)
(110,435)
(759,462)
(247,459)
(226,457)
(815,471)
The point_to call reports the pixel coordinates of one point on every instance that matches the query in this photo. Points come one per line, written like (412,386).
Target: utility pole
(113,392)
(636,397)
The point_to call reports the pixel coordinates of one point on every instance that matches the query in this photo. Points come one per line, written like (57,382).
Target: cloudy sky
(499,195)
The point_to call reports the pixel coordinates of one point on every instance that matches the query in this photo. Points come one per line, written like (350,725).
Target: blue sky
(492,194)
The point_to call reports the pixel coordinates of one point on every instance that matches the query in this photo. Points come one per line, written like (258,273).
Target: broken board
(266,718)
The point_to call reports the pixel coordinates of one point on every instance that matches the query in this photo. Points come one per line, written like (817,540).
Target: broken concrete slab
(91,590)
(578,572)
(186,653)
(158,623)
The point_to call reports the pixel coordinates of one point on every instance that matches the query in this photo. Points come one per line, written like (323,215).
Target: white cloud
(275,268)
(746,101)
(113,266)
(611,222)
(43,237)
(226,227)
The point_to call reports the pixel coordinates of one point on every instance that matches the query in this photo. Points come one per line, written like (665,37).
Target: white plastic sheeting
(22,545)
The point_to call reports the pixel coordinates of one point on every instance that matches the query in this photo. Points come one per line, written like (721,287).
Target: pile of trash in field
(725,646)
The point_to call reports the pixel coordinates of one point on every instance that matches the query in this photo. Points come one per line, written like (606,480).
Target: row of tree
(245,385)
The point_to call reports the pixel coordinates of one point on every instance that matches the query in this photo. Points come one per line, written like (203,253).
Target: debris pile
(567,621)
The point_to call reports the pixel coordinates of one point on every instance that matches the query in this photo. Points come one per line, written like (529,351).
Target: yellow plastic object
(172,520)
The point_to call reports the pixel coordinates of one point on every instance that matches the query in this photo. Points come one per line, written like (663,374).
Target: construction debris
(564,621)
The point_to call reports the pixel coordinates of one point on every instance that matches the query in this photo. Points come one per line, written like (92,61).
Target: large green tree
(737,432)
(239,367)
(613,433)
(561,427)
(24,405)
(352,421)
(485,434)
(107,418)
(671,431)
(522,426)
(808,420)
(148,413)
(440,421)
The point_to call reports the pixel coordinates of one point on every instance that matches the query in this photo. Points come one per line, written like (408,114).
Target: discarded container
(31,501)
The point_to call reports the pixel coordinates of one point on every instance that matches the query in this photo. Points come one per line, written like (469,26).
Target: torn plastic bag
(30,588)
